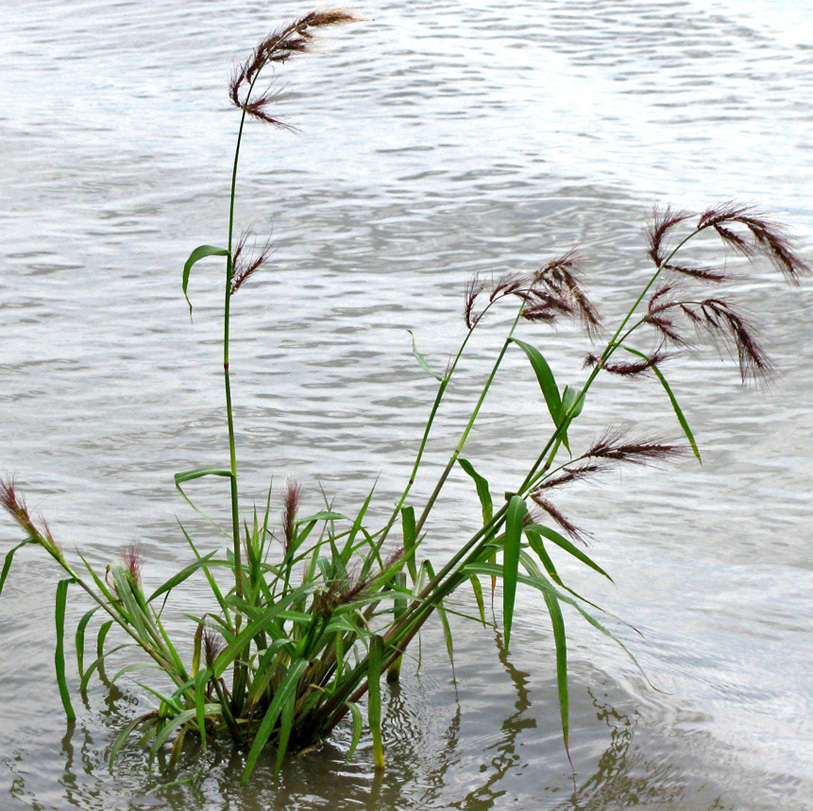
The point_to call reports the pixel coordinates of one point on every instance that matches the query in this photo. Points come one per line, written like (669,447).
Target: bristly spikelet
(473,289)
(663,221)
(213,646)
(297,37)
(552,291)
(243,268)
(627,368)
(767,238)
(558,516)
(290,507)
(614,446)
(585,470)
(15,506)
(132,560)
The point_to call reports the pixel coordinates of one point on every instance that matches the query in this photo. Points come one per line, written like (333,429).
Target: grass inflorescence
(307,614)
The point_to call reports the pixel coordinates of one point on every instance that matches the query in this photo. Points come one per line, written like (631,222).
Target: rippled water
(437,140)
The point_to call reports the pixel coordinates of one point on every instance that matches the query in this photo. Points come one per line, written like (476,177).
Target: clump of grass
(305,617)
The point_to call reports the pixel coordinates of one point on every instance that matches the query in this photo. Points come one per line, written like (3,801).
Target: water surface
(437,140)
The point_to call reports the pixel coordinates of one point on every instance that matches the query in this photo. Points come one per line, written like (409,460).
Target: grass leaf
(550,391)
(201,252)
(513,541)
(422,360)
(553,535)
(285,690)
(59,653)
(483,492)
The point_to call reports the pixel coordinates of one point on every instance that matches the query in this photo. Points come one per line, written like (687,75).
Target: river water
(436,140)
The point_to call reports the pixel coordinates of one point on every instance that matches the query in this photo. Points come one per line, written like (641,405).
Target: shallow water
(437,140)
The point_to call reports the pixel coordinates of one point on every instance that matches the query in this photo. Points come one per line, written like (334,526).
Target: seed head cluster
(278,47)
(553,291)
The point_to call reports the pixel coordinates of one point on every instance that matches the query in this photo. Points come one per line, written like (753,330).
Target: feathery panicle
(213,646)
(767,238)
(663,221)
(242,268)
(703,274)
(15,506)
(629,368)
(297,37)
(573,474)
(561,278)
(290,507)
(553,291)
(731,329)
(558,516)
(614,446)
(473,289)
(341,591)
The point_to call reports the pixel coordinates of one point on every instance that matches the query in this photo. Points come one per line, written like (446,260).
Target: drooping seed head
(579,472)
(663,221)
(243,268)
(615,446)
(278,47)
(558,516)
(767,238)
(561,277)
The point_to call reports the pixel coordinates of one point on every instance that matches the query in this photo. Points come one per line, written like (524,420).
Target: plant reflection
(432,766)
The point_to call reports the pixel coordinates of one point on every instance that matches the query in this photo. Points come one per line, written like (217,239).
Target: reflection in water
(427,746)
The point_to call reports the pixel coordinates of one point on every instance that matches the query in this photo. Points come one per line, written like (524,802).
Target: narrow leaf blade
(201,252)
(513,541)
(59,653)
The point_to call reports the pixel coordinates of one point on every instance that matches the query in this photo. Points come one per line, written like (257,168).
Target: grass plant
(308,614)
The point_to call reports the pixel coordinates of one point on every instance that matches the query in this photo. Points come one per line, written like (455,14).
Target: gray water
(436,140)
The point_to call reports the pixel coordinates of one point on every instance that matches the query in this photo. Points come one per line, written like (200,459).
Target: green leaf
(281,696)
(374,698)
(483,492)
(410,540)
(199,472)
(569,398)
(477,588)
(201,252)
(179,720)
(553,535)
(80,639)
(324,515)
(124,734)
(286,725)
(544,375)
(59,653)
(358,725)
(444,620)
(422,360)
(513,540)
(684,423)
(560,641)
(180,576)
(535,542)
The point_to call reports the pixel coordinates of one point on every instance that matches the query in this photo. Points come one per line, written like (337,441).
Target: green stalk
(448,578)
(429,424)
(467,430)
